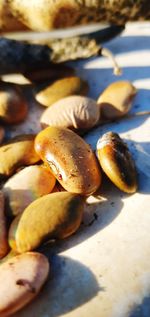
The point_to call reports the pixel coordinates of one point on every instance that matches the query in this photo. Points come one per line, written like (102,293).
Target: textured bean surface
(21,279)
(75,112)
(70,159)
(117,162)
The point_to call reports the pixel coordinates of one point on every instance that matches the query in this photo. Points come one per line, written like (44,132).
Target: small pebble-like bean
(116,161)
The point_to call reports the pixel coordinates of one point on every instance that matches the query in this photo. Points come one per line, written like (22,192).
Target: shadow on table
(109,199)
(123,44)
(119,45)
(99,78)
(120,126)
(141,154)
(142,310)
(70,285)
(98,214)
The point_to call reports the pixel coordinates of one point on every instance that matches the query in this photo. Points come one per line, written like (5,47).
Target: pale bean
(75,112)
(21,279)
(27,185)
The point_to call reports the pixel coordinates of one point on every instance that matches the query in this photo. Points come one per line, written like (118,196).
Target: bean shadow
(99,77)
(121,126)
(107,203)
(141,154)
(127,43)
(100,210)
(122,44)
(140,150)
(94,71)
(66,289)
(141,310)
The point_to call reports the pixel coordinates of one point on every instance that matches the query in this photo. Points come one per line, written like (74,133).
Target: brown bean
(70,159)
(16,153)
(13,106)
(116,161)
(61,88)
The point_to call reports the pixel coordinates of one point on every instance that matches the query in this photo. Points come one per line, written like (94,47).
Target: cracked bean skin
(53,216)
(117,162)
(70,159)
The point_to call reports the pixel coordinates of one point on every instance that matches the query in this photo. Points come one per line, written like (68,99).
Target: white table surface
(104,269)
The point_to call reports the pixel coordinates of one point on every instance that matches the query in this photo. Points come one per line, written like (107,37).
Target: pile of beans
(33,208)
